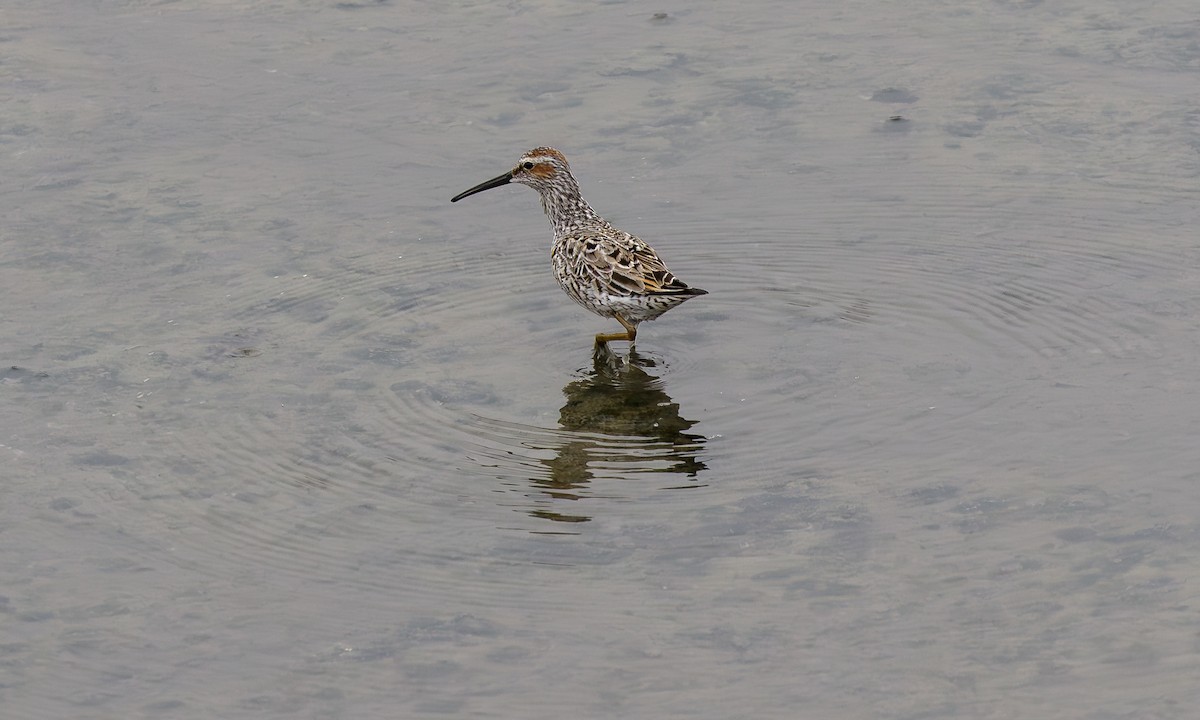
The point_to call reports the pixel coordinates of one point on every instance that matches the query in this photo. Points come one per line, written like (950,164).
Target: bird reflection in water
(619,421)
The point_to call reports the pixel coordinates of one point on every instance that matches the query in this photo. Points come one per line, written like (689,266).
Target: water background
(285,434)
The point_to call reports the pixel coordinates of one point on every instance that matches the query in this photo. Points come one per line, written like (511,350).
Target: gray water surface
(285,434)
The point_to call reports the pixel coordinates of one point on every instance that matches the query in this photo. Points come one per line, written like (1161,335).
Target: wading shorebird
(606,270)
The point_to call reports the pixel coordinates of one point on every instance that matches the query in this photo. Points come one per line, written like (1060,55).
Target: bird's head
(541,168)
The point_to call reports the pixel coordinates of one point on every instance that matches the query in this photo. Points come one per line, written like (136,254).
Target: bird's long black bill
(504,179)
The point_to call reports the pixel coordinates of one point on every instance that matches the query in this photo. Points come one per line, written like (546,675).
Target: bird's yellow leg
(629,328)
(603,338)
(629,334)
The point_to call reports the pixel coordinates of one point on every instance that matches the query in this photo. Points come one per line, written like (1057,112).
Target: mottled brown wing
(624,265)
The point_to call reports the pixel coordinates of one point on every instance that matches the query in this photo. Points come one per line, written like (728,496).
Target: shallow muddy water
(286,434)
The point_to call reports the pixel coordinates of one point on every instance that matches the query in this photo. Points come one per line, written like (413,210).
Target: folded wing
(624,265)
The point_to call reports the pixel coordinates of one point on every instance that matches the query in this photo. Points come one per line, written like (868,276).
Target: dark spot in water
(16,374)
(934,494)
(101,458)
(966,128)
(62,504)
(1076,534)
(18,130)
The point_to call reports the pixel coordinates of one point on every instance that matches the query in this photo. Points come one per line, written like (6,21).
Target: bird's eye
(528,165)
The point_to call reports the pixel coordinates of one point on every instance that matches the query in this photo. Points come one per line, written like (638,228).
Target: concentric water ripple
(844,341)
(381,401)
(437,382)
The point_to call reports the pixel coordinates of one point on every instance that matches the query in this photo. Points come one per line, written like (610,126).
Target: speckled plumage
(606,270)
